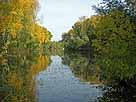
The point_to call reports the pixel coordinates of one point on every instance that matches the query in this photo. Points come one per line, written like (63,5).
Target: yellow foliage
(95,20)
(3,60)
(14,98)
(39,33)
(18,14)
(13,12)
(18,26)
(13,80)
(42,63)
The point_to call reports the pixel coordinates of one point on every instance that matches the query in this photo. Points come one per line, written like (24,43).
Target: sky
(58,16)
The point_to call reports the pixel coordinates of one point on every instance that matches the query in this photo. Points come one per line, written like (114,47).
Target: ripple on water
(58,84)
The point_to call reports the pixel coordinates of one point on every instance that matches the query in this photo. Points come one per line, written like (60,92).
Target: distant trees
(80,34)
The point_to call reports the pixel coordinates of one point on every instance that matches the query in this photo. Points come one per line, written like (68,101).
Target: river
(59,77)
(58,84)
(63,77)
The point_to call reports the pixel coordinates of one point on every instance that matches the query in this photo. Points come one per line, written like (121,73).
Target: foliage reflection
(82,67)
(17,73)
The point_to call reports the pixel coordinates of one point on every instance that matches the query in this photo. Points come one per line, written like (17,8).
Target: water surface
(58,84)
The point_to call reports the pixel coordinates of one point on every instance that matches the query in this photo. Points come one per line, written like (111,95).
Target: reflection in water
(17,72)
(119,84)
(58,84)
(82,67)
(69,78)
(120,76)
(121,91)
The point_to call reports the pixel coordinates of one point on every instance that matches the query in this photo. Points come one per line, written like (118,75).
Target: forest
(22,42)
(110,37)
(107,39)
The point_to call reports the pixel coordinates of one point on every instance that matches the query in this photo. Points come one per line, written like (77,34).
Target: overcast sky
(59,15)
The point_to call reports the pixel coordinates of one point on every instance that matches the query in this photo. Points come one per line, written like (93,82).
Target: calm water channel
(62,77)
(48,78)
(59,84)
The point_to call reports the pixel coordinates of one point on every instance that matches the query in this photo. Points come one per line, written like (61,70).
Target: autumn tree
(18,25)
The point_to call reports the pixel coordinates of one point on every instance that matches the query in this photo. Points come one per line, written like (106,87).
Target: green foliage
(16,75)
(114,34)
(81,34)
(81,66)
(21,49)
(112,38)
(115,50)
(18,26)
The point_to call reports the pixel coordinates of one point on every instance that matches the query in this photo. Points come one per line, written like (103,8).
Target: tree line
(19,28)
(22,43)
(110,36)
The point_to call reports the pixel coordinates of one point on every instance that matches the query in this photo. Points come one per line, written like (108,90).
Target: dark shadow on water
(81,65)
(119,85)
